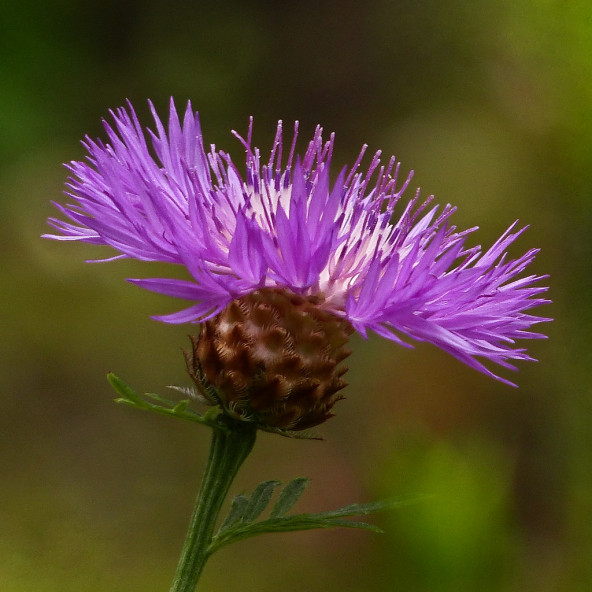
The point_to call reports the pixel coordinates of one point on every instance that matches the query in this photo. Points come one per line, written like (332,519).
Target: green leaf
(242,527)
(289,496)
(179,409)
(286,524)
(160,399)
(237,509)
(121,388)
(371,507)
(259,500)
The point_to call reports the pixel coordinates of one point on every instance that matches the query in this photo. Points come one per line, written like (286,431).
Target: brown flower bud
(272,357)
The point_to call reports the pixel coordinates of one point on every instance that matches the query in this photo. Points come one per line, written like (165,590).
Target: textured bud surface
(272,357)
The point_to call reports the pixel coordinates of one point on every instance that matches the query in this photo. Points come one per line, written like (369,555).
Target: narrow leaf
(237,509)
(287,524)
(371,507)
(181,407)
(163,406)
(160,399)
(289,496)
(331,519)
(259,500)
(122,389)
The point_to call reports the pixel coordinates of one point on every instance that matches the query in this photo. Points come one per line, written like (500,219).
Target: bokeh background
(490,102)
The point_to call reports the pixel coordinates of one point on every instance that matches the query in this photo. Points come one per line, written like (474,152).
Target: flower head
(353,246)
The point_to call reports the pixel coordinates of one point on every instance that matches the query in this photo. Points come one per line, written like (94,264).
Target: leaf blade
(330,519)
(237,509)
(179,409)
(289,496)
(259,500)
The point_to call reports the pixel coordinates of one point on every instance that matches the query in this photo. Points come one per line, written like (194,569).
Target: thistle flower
(284,241)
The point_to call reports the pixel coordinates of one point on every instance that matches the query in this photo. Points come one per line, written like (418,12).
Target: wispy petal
(398,269)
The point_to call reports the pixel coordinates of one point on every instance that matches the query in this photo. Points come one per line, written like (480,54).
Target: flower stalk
(232,441)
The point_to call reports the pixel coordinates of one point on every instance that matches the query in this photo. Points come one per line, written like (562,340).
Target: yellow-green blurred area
(490,102)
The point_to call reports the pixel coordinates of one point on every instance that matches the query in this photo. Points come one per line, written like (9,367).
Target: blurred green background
(490,102)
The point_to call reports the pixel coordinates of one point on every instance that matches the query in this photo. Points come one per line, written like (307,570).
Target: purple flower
(384,264)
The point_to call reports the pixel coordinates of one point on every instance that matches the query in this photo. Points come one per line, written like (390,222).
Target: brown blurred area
(490,103)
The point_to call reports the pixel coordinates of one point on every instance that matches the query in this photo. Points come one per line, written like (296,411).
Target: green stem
(231,444)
